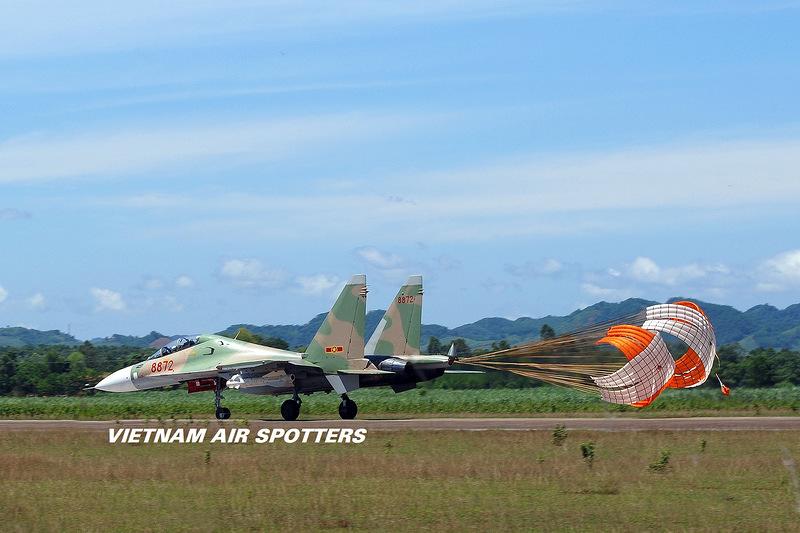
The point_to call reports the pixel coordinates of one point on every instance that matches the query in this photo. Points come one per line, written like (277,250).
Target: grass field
(383,402)
(66,480)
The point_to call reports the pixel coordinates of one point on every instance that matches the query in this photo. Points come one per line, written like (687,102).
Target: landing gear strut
(223,413)
(348,408)
(290,409)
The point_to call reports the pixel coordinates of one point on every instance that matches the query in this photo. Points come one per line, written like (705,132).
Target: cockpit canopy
(176,345)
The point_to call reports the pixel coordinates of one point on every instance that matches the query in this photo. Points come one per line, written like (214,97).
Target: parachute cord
(726,391)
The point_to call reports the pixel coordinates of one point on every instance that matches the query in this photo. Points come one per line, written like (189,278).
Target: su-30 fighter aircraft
(334,361)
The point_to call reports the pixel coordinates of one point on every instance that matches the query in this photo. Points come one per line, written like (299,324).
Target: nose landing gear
(222,413)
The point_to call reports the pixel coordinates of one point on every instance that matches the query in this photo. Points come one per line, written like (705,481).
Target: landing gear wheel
(290,410)
(223,413)
(348,409)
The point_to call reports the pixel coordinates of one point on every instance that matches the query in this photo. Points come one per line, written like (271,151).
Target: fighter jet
(334,361)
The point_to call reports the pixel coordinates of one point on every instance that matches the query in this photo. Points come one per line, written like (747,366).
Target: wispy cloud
(685,175)
(36,28)
(37,302)
(644,277)
(3,294)
(9,213)
(316,284)
(250,273)
(530,196)
(184,282)
(644,269)
(390,266)
(121,152)
(378,258)
(545,267)
(610,293)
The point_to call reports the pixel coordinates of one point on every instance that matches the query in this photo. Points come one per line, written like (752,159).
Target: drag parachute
(651,368)
(573,360)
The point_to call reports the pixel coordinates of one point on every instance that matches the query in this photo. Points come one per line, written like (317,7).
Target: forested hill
(18,337)
(760,326)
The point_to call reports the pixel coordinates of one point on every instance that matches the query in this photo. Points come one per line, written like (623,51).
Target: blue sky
(186,167)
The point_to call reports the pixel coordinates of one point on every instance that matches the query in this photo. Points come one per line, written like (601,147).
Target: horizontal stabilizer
(343,384)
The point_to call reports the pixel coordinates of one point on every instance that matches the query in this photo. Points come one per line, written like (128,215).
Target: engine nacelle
(393,364)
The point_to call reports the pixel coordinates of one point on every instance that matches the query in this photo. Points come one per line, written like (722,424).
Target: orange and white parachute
(575,360)
(651,367)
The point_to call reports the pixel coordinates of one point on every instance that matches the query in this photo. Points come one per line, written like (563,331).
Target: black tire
(290,410)
(348,409)
(223,413)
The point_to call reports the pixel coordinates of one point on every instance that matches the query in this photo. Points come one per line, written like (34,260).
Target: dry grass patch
(67,480)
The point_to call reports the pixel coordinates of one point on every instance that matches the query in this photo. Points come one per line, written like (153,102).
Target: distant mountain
(25,337)
(301,335)
(153,339)
(760,326)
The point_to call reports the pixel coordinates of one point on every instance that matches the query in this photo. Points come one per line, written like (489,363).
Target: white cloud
(523,197)
(251,273)
(546,267)
(780,271)
(602,292)
(3,294)
(379,259)
(115,153)
(152,284)
(37,27)
(184,282)
(107,300)
(390,266)
(644,269)
(171,303)
(37,301)
(8,213)
(768,287)
(316,284)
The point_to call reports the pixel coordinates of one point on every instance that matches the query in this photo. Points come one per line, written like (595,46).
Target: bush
(662,464)
(587,451)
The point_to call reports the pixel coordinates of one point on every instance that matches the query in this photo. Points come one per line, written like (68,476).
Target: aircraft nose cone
(119,381)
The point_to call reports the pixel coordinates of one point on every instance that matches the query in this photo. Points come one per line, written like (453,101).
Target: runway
(442,424)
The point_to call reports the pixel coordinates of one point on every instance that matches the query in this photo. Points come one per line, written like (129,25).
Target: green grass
(383,402)
(441,481)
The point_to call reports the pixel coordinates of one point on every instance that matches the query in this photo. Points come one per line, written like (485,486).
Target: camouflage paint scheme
(335,358)
(397,335)
(399,330)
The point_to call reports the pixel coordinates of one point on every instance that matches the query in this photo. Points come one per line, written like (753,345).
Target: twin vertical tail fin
(399,330)
(341,334)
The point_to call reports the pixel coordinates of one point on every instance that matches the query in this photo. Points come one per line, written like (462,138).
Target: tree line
(60,370)
(51,370)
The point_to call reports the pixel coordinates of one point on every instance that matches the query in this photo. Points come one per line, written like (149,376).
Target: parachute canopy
(577,359)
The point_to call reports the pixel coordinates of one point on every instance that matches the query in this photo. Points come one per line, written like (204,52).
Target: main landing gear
(290,409)
(223,413)
(348,408)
